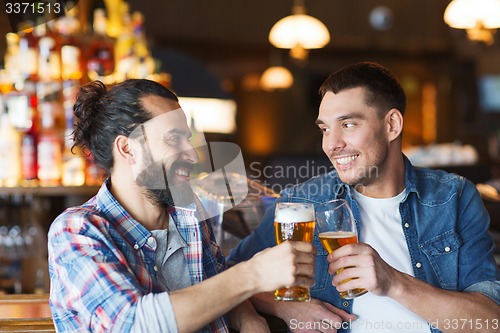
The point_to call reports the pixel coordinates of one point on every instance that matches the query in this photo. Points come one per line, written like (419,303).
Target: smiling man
(425,254)
(140,256)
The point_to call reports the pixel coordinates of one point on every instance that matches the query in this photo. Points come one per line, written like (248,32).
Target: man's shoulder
(77,219)
(438,185)
(438,177)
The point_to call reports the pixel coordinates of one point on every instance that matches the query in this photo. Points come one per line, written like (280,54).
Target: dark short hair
(101,114)
(383,89)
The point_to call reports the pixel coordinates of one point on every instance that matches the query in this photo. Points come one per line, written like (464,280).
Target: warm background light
(478,17)
(299,32)
(210,115)
(275,78)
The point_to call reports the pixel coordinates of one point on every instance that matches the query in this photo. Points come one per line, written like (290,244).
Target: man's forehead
(173,120)
(157,105)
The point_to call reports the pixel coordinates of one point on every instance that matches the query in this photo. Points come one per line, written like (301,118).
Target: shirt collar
(131,230)
(410,178)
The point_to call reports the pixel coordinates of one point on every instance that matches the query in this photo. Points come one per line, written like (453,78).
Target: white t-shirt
(383,231)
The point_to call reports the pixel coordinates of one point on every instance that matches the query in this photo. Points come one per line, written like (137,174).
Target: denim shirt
(443,219)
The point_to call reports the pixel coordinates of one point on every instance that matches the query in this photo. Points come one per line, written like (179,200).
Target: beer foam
(294,213)
(337,234)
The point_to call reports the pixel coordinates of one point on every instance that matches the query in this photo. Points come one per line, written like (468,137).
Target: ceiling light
(299,32)
(480,18)
(276,78)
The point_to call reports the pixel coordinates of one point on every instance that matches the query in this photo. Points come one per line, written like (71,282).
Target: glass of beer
(295,222)
(336,227)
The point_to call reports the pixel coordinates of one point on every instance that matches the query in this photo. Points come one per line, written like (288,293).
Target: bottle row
(36,146)
(58,50)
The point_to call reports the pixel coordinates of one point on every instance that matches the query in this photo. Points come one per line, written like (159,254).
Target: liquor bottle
(12,72)
(100,60)
(140,46)
(28,54)
(49,55)
(73,168)
(29,164)
(49,149)
(10,155)
(114,9)
(125,58)
(145,64)
(71,49)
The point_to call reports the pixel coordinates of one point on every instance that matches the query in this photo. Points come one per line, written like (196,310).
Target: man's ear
(394,121)
(124,149)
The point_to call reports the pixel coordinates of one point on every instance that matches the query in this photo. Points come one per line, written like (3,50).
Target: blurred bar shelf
(51,191)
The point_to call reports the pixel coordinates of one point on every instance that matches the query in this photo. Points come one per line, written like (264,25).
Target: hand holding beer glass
(295,222)
(336,227)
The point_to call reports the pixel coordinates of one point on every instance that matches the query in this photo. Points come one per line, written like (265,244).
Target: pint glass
(293,221)
(336,227)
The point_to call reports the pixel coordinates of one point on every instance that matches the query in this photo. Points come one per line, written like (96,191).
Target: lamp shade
(469,14)
(299,30)
(276,77)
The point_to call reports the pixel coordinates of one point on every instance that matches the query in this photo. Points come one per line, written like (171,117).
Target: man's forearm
(199,304)
(447,310)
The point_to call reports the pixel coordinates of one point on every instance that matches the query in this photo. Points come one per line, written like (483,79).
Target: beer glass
(336,227)
(293,221)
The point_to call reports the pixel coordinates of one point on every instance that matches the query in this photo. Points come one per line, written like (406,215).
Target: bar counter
(25,313)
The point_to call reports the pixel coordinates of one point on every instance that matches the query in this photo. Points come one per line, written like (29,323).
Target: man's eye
(174,139)
(324,130)
(348,125)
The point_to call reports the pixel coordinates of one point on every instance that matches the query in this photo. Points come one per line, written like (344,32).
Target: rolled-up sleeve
(154,313)
(489,289)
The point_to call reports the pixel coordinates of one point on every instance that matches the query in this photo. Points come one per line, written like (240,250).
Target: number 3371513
(33,8)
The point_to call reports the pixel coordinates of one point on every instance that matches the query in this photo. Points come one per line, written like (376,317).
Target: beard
(154,180)
(372,172)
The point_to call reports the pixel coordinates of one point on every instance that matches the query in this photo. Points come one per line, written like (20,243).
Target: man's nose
(335,142)
(190,155)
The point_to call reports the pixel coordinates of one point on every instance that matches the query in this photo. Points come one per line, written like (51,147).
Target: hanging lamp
(299,32)
(480,18)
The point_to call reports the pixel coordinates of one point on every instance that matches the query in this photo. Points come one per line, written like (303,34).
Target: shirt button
(155,268)
(418,265)
(345,304)
(447,249)
(407,225)
(136,246)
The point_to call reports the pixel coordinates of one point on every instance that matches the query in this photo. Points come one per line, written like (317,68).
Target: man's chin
(347,177)
(182,196)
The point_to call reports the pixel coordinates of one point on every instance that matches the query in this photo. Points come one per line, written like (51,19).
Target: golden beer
(300,231)
(295,222)
(331,241)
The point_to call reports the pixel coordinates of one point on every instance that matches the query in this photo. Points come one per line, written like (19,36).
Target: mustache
(343,153)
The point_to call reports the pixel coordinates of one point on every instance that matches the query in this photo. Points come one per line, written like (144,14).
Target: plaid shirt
(101,263)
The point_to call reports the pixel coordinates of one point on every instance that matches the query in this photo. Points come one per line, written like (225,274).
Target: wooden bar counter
(25,313)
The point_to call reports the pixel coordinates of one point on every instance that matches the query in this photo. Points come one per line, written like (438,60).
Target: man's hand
(288,264)
(363,265)
(245,319)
